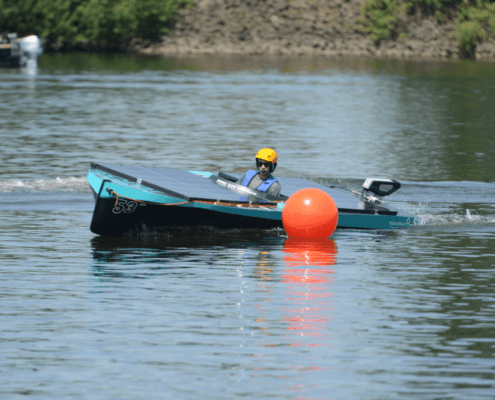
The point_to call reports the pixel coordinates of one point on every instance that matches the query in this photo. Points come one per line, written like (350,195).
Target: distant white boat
(19,52)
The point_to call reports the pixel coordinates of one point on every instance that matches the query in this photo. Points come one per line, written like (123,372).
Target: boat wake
(448,213)
(469,217)
(70,184)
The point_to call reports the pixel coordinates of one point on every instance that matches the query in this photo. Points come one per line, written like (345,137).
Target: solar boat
(132,200)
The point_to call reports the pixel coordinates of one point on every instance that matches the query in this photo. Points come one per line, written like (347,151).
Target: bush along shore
(434,29)
(94,25)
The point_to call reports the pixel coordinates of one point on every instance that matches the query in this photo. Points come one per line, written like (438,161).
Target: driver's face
(264,167)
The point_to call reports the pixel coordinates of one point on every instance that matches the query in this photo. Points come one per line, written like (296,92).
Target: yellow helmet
(267,155)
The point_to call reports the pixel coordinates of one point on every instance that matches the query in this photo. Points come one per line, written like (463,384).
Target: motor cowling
(380,187)
(31,49)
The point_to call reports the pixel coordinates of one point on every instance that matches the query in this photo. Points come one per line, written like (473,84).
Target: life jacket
(265,185)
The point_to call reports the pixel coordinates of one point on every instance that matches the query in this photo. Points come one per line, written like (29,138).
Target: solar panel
(189,186)
(343,200)
(176,183)
(292,185)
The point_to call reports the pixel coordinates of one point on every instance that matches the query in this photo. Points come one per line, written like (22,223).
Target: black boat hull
(111,219)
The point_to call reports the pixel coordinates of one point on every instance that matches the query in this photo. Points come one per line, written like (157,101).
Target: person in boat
(262,179)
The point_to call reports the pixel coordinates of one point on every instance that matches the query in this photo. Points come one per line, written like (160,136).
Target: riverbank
(304,27)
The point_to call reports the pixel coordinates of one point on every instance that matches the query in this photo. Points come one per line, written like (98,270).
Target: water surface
(231,315)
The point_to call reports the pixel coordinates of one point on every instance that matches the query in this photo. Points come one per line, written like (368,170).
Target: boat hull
(7,58)
(110,219)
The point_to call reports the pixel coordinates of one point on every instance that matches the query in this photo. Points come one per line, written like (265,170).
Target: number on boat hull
(125,206)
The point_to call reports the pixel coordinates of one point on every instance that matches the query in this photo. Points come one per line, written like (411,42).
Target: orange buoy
(310,213)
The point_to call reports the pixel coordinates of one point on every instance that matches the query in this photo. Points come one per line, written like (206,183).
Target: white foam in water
(452,219)
(471,217)
(69,184)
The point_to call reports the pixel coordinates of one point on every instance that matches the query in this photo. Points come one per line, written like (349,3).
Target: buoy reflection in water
(308,278)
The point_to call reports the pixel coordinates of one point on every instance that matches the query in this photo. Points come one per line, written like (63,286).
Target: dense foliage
(102,23)
(475,19)
(381,17)
(475,23)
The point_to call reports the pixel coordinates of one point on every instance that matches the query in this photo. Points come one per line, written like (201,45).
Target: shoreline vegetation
(403,29)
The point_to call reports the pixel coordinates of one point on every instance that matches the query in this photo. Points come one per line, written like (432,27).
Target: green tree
(104,23)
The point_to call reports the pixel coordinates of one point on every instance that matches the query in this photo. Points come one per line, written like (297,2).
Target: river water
(242,315)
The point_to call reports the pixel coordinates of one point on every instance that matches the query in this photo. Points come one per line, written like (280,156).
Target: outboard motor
(31,50)
(380,187)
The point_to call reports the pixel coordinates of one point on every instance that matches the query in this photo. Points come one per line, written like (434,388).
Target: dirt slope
(319,27)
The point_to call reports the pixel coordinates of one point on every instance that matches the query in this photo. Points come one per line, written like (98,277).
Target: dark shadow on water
(190,239)
(116,256)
